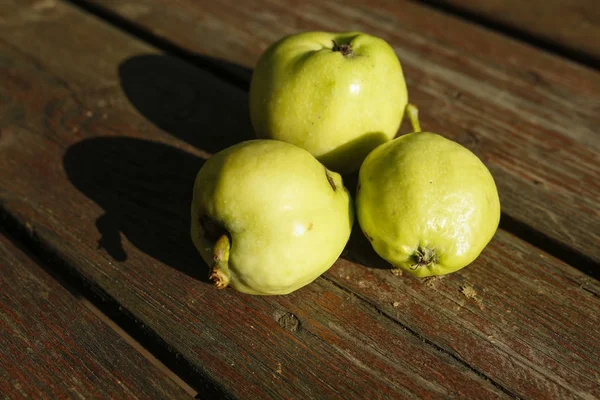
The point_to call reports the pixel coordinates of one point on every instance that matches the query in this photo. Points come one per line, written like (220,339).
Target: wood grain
(52,346)
(106,191)
(531,117)
(572,25)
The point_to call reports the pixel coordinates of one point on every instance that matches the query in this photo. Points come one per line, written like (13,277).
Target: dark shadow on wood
(186,102)
(557,249)
(79,285)
(145,190)
(232,73)
(359,249)
(515,33)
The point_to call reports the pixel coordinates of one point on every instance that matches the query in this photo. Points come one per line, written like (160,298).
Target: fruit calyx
(423,257)
(219,273)
(345,49)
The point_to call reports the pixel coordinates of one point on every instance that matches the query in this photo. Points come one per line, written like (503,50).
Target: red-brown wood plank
(533,118)
(52,346)
(94,172)
(572,25)
(530,310)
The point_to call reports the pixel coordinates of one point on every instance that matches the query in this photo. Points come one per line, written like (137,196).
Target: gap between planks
(421,337)
(513,32)
(26,246)
(104,306)
(237,76)
(240,77)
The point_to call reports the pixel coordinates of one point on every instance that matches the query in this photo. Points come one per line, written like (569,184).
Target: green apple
(427,204)
(337,95)
(268,217)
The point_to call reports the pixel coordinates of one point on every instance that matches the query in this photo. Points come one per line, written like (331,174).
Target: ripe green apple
(268,217)
(337,95)
(427,204)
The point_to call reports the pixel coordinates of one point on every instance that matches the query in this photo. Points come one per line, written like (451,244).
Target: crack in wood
(424,339)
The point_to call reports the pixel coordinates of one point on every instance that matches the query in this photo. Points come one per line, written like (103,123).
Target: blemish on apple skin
(309,227)
(330,180)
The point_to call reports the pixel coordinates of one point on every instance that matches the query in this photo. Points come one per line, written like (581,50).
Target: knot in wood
(289,322)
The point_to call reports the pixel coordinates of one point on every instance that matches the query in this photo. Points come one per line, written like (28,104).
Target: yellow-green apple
(268,217)
(427,204)
(337,95)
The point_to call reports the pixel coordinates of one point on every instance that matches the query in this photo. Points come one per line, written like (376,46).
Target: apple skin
(287,217)
(338,107)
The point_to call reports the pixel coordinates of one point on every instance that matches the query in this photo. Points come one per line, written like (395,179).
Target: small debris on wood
(468,291)
(396,303)
(396,271)
(432,281)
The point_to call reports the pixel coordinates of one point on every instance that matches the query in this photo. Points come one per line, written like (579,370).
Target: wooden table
(108,109)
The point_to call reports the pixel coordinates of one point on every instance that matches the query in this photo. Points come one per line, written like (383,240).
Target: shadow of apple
(187,102)
(353,152)
(144,189)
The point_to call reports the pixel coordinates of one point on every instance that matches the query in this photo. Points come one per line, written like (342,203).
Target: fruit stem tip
(219,273)
(344,49)
(413,116)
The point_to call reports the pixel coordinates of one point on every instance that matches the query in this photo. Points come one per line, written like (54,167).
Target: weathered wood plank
(70,127)
(533,118)
(87,172)
(255,347)
(530,310)
(52,346)
(574,26)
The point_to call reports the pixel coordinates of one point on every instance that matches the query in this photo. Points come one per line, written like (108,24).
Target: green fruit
(427,204)
(268,217)
(337,95)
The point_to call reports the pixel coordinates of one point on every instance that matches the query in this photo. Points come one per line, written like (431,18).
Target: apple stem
(219,273)
(413,116)
(343,48)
